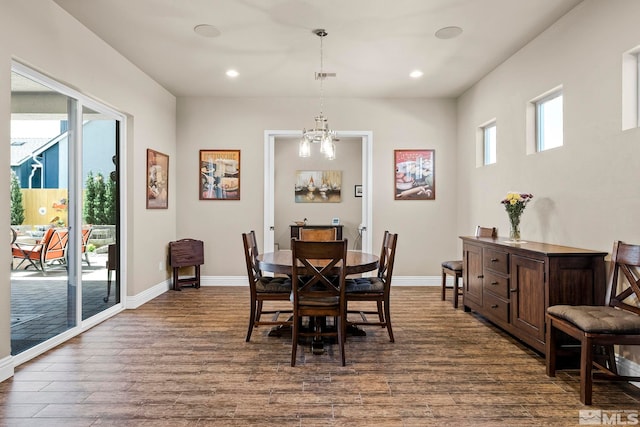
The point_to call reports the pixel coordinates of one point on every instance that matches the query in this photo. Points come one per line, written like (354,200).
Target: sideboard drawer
(496,284)
(496,307)
(496,260)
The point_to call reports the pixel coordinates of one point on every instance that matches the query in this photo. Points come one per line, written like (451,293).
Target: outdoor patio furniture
(51,248)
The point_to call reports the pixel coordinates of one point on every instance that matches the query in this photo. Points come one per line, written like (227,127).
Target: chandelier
(320,134)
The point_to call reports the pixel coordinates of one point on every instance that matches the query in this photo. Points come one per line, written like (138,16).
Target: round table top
(280,262)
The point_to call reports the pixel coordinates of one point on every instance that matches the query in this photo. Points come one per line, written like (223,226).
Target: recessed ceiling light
(206,30)
(448,32)
(232,73)
(416,74)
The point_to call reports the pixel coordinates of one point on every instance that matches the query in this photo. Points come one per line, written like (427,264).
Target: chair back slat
(56,246)
(251,256)
(318,268)
(318,234)
(623,290)
(387,257)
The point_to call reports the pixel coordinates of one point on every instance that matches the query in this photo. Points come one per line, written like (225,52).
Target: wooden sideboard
(295,229)
(513,284)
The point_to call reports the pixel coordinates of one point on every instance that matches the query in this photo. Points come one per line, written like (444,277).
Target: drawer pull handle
(494,259)
(494,283)
(494,306)
(481,277)
(513,290)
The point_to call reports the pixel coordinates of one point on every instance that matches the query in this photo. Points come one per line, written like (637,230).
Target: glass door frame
(77,102)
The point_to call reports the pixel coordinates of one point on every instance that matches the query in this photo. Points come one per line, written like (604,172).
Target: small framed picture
(358,190)
(157,180)
(219,174)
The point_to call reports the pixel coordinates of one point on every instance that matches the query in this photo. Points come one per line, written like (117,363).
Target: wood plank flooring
(181,360)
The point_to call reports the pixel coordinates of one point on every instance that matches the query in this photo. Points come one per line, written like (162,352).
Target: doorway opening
(364,228)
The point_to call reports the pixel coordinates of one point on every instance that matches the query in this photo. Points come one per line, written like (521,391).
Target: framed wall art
(415,177)
(157,180)
(358,191)
(219,176)
(318,186)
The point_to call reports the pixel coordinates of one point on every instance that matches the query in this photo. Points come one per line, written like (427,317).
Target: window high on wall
(630,91)
(489,132)
(549,121)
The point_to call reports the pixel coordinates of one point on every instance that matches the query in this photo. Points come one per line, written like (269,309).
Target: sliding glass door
(64,210)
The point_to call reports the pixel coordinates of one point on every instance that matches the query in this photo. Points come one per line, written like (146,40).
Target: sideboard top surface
(547,249)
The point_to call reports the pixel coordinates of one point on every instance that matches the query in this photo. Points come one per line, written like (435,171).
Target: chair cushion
(598,319)
(453,265)
(364,285)
(273,285)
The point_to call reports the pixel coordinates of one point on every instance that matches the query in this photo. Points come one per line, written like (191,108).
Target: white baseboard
(136,301)
(6,368)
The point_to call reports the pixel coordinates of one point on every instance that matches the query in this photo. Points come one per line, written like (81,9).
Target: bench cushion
(598,319)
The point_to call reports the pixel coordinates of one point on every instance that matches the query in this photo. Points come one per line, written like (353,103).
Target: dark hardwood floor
(181,360)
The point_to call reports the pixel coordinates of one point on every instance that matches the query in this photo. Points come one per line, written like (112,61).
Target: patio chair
(51,248)
(86,232)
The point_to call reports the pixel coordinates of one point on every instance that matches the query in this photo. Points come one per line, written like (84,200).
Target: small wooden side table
(186,253)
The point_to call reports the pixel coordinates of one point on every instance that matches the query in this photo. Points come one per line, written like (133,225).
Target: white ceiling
(372,45)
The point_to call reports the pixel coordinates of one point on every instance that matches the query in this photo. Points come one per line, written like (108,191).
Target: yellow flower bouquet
(514,204)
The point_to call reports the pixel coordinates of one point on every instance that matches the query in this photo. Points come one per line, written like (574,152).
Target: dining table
(281,262)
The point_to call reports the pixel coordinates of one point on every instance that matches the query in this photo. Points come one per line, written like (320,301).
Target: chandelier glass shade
(320,134)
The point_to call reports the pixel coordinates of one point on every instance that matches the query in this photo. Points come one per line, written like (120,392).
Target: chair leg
(380,312)
(456,280)
(444,285)
(387,316)
(586,375)
(611,359)
(550,349)
(105,299)
(294,339)
(252,319)
(341,334)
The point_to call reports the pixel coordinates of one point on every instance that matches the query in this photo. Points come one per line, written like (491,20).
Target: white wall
(40,34)
(427,230)
(586,193)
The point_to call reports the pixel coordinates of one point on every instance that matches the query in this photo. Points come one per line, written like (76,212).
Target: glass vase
(514,232)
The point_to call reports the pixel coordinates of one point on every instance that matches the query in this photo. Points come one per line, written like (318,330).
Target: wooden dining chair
(318,282)
(454,268)
(375,289)
(615,323)
(264,289)
(318,234)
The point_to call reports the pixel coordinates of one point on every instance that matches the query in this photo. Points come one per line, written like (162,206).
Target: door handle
(272,228)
